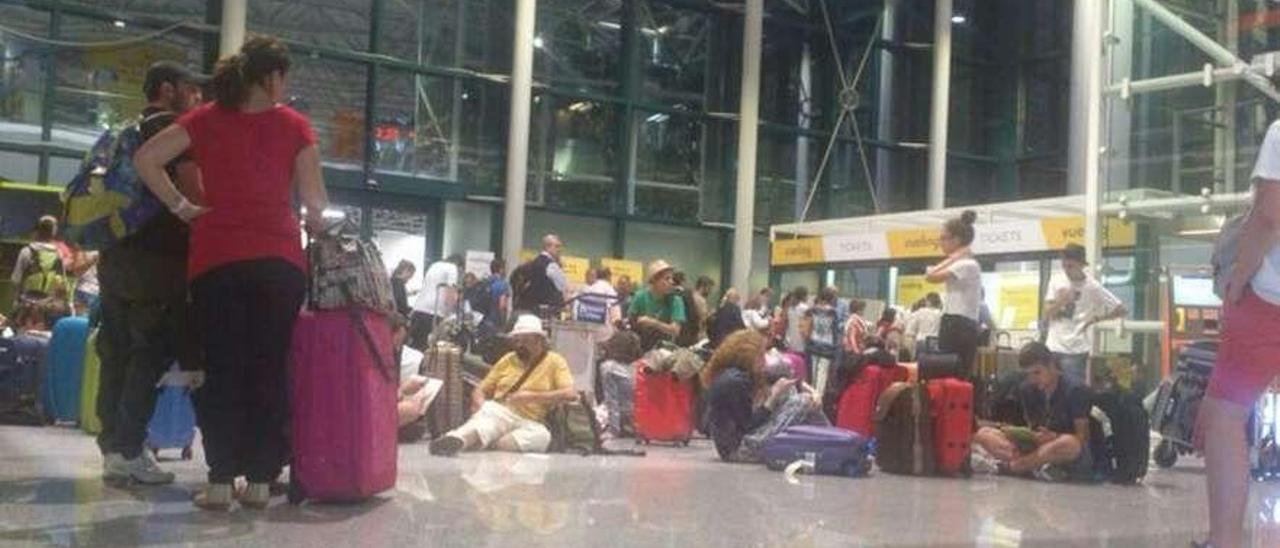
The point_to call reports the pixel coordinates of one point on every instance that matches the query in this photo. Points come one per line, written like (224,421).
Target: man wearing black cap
(144,299)
(1073,304)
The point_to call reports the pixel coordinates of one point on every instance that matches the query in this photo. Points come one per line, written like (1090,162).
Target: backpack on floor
(1127,450)
(107,201)
(904,430)
(574,429)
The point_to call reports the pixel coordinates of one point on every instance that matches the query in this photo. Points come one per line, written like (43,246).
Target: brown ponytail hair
(962,227)
(233,76)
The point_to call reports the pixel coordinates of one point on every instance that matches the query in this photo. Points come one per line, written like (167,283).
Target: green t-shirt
(669,309)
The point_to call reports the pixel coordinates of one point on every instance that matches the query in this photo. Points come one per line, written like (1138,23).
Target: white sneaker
(142,469)
(113,467)
(982,463)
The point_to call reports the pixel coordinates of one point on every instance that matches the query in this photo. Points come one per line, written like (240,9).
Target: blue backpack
(107,200)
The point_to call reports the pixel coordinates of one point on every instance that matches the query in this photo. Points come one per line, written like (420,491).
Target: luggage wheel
(685,443)
(186,453)
(1166,455)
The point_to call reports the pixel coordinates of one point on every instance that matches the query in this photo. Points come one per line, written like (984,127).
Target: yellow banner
(527,255)
(797,251)
(912,289)
(916,243)
(1070,230)
(575,268)
(1019,304)
(622,267)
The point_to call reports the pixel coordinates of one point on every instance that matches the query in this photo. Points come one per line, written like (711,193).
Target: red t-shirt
(246,162)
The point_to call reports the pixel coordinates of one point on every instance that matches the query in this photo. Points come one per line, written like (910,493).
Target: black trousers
(137,342)
(247,311)
(421,324)
(959,335)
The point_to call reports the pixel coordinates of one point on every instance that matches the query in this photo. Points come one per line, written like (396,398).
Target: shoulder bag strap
(357,320)
(520,383)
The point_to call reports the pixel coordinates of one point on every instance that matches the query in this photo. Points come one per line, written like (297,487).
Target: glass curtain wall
(1181,130)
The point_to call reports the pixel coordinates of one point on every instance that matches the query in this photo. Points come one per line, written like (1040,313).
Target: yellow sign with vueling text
(797,251)
(1070,230)
(913,244)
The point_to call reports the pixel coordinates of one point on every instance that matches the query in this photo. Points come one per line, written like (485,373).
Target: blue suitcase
(65,368)
(173,423)
(832,451)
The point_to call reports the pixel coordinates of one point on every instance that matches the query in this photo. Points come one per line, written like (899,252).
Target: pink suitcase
(343,407)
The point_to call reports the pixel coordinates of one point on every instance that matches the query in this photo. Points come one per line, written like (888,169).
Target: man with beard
(511,403)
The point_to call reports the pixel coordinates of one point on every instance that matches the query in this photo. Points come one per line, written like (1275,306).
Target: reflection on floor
(50,493)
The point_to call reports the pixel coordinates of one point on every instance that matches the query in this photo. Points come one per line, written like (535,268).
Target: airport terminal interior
(637,194)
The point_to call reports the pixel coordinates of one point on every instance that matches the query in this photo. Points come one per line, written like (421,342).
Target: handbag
(347,271)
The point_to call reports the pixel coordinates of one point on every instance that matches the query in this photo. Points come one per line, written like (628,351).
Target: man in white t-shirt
(1073,304)
(924,323)
(439,290)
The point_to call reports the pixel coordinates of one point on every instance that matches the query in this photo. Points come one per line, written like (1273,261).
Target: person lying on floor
(512,401)
(414,395)
(749,403)
(1054,445)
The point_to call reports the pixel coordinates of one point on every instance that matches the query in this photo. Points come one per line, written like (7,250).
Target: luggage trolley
(1178,401)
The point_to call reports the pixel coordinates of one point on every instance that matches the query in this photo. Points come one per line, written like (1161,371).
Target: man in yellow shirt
(511,402)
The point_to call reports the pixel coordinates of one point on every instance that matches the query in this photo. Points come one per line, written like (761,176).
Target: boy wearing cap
(1076,301)
(513,400)
(143,287)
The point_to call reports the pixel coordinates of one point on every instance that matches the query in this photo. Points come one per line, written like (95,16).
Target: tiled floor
(50,493)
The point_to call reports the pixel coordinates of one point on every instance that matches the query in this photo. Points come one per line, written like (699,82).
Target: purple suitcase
(834,451)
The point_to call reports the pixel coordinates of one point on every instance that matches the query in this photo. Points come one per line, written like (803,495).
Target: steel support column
(50,95)
(371,91)
(884,110)
(234,13)
(1086,114)
(748,133)
(937,196)
(518,130)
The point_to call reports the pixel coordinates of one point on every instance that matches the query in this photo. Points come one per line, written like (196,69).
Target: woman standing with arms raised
(962,304)
(246,265)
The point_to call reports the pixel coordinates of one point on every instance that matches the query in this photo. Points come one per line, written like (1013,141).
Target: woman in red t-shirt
(246,268)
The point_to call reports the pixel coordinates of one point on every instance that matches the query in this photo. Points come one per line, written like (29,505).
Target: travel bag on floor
(65,368)
(663,407)
(343,389)
(857,408)
(1128,447)
(173,422)
(951,411)
(904,431)
(832,451)
(89,386)
(449,409)
(22,360)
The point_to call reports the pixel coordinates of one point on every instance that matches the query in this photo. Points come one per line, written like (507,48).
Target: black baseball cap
(1074,252)
(169,72)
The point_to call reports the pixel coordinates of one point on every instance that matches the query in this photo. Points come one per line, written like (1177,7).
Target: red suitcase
(857,407)
(663,407)
(951,410)
(343,407)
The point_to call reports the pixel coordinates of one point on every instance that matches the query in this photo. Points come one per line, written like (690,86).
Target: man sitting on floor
(1055,444)
(512,401)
